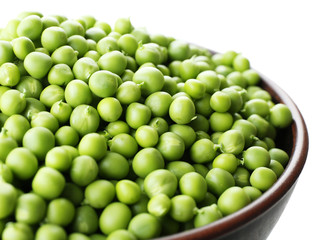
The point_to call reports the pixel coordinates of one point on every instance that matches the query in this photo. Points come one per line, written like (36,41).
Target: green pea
(109,109)
(147,160)
(280,116)
(66,135)
(145,226)
(72,27)
(252,77)
(232,200)
(207,215)
(236,78)
(113,61)
(186,132)
(22,162)
(171,146)
(256,106)
(178,50)
(61,111)
(12,102)
(122,234)
(231,141)
(45,119)
(103,83)
(60,74)
(226,161)
(79,44)
(115,216)
(248,130)
(8,197)
(31,27)
(159,124)
(188,69)
(255,157)
(107,44)
(94,145)
(49,21)
(159,205)
(7,142)
(18,231)
(73,193)
(220,122)
(128,92)
(210,79)
(182,110)
(84,170)
(127,191)
(117,127)
(99,193)
(53,38)
(203,151)
(252,192)
(159,103)
(194,185)
(48,183)
(137,114)
(240,63)
(84,119)
(128,43)
(123,25)
(261,124)
(22,46)
(84,68)
(6,176)
(64,55)
(218,180)
(277,167)
(124,144)
(146,136)
(30,208)
(6,52)
(183,208)
(30,87)
(59,159)
(38,64)
(113,166)
(263,178)
(195,88)
(225,58)
(85,220)
(279,155)
(160,181)
(16,126)
(150,78)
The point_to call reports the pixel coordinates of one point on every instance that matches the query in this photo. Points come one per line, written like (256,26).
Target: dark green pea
(73,193)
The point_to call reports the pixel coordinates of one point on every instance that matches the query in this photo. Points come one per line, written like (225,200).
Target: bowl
(256,220)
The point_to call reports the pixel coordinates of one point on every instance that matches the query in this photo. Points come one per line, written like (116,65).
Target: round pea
(30,26)
(194,185)
(182,110)
(147,160)
(218,180)
(109,109)
(263,178)
(127,191)
(146,136)
(202,151)
(160,181)
(114,216)
(280,116)
(45,119)
(17,231)
(206,215)
(72,27)
(232,200)
(159,124)
(38,64)
(137,114)
(9,74)
(226,161)
(84,119)
(159,103)
(8,197)
(231,141)
(145,226)
(30,208)
(6,52)
(30,87)
(220,122)
(53,38)
(99,193)
(128,92)
(16,126)
(171,146)
(124,144)
(84,170)
(117,127)
(255,157)
(122,234)
(159,205)
(12,102)
(195,88)
(48,183)
(22,162)
(113,61)
(150,78)
(66,135)
(65,55)
(103,83)
(183,208)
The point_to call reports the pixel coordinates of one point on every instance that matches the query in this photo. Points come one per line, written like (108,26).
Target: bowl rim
(284,183)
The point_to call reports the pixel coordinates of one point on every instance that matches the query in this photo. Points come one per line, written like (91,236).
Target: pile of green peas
(115,133)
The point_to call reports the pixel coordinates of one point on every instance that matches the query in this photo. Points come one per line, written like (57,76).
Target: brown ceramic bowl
(256,221)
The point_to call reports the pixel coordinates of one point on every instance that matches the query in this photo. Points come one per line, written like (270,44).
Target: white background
(285,40)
